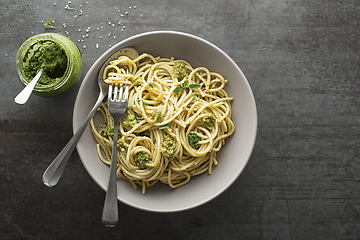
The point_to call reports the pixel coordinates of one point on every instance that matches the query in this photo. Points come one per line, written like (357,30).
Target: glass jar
(73,70)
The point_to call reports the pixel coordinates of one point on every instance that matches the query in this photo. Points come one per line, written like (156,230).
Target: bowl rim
(97,65)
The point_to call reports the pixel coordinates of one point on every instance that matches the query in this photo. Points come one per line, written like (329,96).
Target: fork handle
(53,173)
(110,210)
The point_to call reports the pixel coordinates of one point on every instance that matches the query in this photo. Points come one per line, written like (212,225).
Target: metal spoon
(24,95)
(53,173)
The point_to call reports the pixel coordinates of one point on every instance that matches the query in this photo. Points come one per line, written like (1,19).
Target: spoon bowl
(24,95)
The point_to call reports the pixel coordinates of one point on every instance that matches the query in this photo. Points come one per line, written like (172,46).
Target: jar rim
(33,40)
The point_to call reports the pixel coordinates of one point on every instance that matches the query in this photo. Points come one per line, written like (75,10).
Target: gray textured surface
(301,59)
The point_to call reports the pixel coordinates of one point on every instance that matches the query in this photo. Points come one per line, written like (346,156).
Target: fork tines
(116,93)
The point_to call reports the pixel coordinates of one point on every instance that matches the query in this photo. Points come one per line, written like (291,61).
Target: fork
(117,104)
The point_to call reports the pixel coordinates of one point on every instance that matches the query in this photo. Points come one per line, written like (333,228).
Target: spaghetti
(178,118)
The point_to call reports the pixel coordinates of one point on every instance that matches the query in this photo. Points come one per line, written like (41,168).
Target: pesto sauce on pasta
(166,122)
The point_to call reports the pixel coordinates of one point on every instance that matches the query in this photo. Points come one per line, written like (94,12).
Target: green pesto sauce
(107,130)
(129,119)
(151,84)
(208,120)
(143,160)
(180,70)
(157,115)
(138,81)
(121,144)
(43,54)
(169,146)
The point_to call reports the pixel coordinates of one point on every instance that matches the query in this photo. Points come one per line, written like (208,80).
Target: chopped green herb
(166,126)
(178,89)
(110,130)
(48,24)
(138,100)
(130,105)
(144,104)
(196,98)
(193,139)
(194,86)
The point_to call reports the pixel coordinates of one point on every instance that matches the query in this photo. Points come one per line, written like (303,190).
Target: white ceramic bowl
(232,158)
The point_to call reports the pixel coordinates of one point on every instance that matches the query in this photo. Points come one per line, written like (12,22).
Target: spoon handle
(53,173)
(24,95)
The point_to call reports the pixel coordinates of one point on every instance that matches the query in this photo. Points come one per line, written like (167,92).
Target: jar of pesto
(55,52)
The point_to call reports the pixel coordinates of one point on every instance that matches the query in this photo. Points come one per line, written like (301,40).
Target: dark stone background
(301,59)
